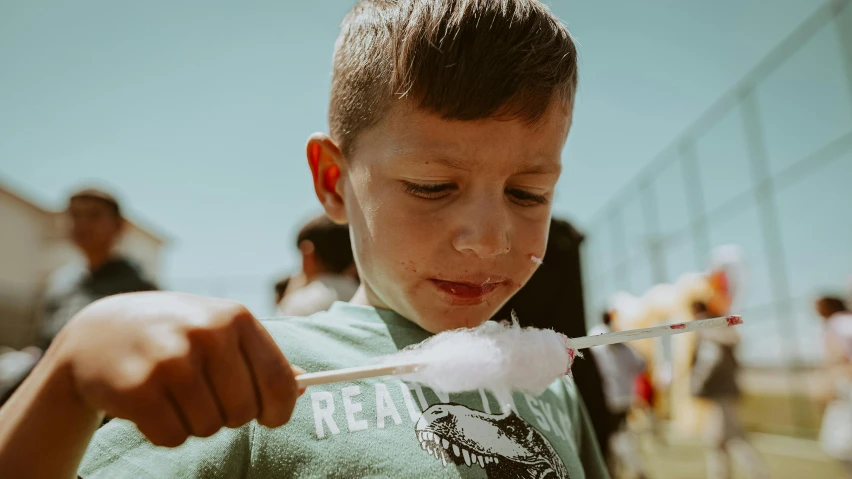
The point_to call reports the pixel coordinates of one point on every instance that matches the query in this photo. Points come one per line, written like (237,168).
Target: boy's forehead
(426,162)
(419,136)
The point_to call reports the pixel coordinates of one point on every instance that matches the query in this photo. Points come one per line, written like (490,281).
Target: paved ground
(787,458)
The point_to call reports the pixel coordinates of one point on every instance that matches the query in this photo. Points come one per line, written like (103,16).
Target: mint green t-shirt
(378,427)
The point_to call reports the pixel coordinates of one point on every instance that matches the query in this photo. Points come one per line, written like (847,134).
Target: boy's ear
(326,163)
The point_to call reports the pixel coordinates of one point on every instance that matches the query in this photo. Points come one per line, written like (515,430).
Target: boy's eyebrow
(540,168)
(449,161)
(543,168)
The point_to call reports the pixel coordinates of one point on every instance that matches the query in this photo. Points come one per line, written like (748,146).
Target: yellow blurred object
(666,303)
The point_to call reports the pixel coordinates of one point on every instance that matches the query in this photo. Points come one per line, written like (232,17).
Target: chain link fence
(767,167)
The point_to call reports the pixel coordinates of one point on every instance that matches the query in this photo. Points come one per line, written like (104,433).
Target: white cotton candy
(498,357)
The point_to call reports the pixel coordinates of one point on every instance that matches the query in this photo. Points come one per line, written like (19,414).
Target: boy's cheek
(405,224)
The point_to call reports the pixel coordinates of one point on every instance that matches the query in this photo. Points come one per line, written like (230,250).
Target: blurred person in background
(646,400)
(714,378)
(281,289)
(14,367)
(836,430)
(328,269)
(96,225)
(849,289)
(620,367)
(838,327)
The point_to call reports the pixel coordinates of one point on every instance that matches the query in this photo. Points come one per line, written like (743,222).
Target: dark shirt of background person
(96,224)
(553,299)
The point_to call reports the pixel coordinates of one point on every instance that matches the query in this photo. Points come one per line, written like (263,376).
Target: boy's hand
(177,365)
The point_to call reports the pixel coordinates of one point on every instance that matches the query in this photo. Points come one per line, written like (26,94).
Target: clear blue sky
(198,116)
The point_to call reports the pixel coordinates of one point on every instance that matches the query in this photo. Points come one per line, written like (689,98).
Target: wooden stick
(377,370)
(351,374)
(654,332)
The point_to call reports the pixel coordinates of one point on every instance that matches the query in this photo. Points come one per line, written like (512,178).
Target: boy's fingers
(157,419)
(232,385)
(194,398)
(297,371)
(274,378)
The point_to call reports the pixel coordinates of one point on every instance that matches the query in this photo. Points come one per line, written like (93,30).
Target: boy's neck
(361,297)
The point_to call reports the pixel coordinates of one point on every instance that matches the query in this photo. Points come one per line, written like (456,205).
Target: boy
(448,118)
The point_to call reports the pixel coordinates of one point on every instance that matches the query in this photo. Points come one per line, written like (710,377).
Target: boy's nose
(484,231)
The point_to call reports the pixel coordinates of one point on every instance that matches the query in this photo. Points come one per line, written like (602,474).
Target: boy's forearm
(45,427)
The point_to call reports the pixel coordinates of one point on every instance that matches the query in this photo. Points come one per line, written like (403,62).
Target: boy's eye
(525,198)
(430,191)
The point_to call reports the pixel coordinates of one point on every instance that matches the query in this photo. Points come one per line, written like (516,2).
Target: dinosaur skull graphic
(505,446)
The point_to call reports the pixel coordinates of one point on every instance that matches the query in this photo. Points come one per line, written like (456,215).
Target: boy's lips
(467,292)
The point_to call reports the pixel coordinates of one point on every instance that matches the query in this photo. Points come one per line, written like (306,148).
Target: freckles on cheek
(409,266)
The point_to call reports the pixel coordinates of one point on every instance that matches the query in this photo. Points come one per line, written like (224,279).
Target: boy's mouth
(464,292)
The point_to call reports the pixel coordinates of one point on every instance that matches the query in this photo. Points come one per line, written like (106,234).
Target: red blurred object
(645,389)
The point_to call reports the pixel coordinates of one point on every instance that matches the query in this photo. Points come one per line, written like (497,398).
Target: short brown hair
(831,304)
(100,195)
(460,59)
(332,246)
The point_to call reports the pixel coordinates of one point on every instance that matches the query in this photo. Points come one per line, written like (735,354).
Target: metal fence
(768,167)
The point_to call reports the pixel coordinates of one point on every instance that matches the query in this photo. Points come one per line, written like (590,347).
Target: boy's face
(446,216)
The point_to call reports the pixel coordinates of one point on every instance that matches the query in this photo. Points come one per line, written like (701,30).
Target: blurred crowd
(627,388)
(700,381)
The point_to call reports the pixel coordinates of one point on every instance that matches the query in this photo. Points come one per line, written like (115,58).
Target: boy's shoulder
(340,318)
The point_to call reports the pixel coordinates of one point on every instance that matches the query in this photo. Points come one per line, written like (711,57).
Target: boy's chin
(456,317)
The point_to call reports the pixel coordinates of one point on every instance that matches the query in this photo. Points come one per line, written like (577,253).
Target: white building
(33,244)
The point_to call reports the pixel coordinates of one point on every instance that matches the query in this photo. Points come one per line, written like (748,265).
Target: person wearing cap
(96,225)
